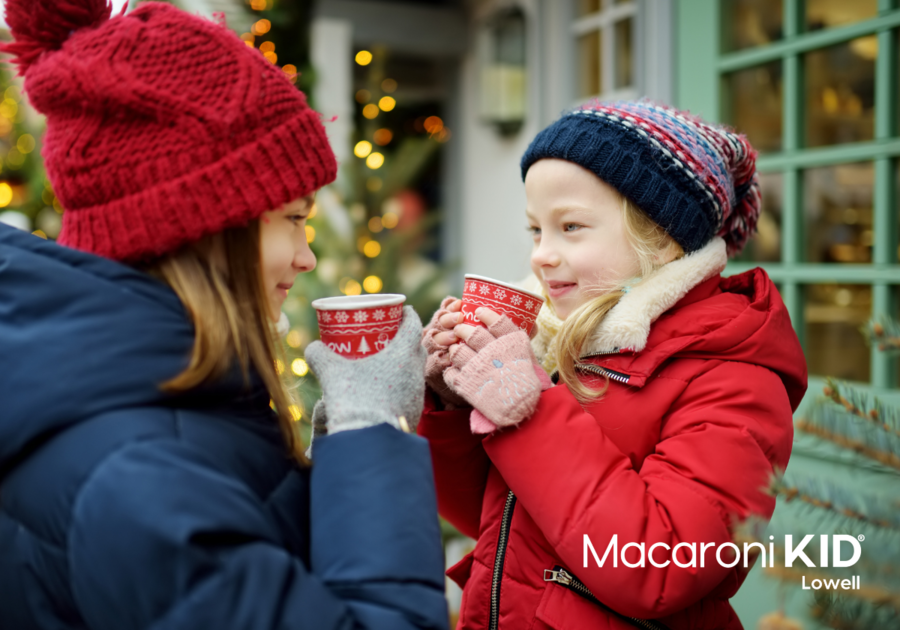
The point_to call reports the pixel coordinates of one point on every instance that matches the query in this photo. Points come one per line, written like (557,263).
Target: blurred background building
(430,104)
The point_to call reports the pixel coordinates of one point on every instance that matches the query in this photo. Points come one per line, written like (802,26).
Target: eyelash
(296,218)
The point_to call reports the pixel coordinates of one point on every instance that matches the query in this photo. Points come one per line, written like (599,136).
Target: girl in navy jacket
(146,480)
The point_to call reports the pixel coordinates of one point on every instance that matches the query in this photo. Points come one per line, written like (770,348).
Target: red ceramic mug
(518,305)
(358,326)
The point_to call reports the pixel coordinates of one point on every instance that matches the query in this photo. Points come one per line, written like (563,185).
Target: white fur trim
(627,325)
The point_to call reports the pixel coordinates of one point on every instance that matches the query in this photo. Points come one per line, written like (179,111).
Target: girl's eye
(571,227)
(296,219)
(534,231)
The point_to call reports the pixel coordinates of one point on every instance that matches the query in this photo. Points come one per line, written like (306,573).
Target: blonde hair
(654,248)
(219,281)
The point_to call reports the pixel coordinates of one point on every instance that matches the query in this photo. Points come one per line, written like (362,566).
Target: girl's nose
(304,258)
(544,255)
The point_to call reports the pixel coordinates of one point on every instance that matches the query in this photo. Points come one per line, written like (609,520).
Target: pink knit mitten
(496,372)
(439,359)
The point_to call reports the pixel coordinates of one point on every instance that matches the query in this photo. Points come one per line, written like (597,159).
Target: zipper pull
(557,576)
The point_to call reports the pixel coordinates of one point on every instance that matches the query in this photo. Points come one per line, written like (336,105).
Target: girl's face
(580,248)
(284,250)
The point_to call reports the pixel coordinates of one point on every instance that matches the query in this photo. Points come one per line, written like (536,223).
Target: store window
(605,42)
(813,85)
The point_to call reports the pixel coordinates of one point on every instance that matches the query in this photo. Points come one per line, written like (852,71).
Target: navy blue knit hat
(694,179)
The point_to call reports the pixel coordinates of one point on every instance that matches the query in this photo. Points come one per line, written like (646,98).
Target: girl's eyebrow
(563,210)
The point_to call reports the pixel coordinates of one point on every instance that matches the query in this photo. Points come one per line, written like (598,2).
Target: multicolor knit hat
(162,127)
(694,179)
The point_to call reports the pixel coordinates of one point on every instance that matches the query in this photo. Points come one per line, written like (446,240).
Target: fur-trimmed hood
(686,308)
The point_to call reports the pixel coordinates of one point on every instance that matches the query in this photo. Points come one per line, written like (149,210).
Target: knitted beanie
(694,179)
(162,127)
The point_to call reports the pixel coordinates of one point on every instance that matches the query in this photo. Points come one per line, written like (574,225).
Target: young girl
(675,388)
(144,480)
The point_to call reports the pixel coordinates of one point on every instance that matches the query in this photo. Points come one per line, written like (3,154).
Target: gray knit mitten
(383,387)
(319,427)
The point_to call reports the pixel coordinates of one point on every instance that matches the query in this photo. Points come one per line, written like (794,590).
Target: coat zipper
(561,576)
(596,369)
(498,559)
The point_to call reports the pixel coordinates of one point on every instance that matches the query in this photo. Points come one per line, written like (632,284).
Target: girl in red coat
(608,496)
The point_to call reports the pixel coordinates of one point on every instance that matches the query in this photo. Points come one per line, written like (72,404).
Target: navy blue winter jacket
(122,507)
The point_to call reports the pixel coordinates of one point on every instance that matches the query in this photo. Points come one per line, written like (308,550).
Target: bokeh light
(375,160)
(364,57)
(387,103)
(383,137)
(372,284)
(299,367)
(362,149)
(370,111)
(372,249)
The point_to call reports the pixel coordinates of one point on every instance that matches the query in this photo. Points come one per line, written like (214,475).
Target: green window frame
(700,78)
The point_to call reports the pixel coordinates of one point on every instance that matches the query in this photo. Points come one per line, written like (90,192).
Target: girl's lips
(558,289)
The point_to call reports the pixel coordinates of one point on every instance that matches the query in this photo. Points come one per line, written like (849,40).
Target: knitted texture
(439,359)
(162,127)
(496,372)
(360,393)
(694,179)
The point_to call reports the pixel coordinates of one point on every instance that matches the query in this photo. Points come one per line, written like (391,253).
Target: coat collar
(627,325)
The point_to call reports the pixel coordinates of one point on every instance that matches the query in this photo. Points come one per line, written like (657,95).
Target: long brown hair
(654,248)
(219,281)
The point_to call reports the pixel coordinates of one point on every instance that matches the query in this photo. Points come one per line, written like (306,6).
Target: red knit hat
(162,127)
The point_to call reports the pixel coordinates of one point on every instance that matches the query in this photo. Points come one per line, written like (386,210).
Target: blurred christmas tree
(26,199)
(856,493)
(375,230)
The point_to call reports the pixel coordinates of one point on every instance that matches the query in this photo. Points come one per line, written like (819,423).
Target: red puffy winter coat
(678,449)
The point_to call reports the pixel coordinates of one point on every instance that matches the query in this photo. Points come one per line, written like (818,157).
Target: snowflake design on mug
(325,316)
(360,316)
(378,315)
(484,289)
(515,299)
(537,307)
(396,311)
(499,294)
(341,317)
(529,305)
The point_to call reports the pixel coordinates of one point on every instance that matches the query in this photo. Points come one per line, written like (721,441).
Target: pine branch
(883,333)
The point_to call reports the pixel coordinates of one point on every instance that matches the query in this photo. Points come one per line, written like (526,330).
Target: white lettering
(737,555)
(613,545)
(703,548)
(693,561)
(666,563)
(641,563)
(747,547)
(791,554)
(857,550)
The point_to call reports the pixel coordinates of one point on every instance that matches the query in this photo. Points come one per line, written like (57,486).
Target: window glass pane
(624,61)
(753,104)
(589,66)
(838,213)
(840,92)
(828,13)
(765,246)
(834,314)
(748,23)
(586,7)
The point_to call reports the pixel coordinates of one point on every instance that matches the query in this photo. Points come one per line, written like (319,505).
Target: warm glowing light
(443,135)
(375,225)
(433,124)
(258,5)
(390,220)
(313,211)
(387,103)
(361,242)
(294,339)
(375,160)
(363,96)
(374,184)
(25,143)
(9,108)
(352,287)
(279,366)
(261,27)
(272,57)
(6,194)
(370,111)
(383,137)
(296,414)
(372,249)
(389,85)
(248,38)
(310,234)
(299,367)
(267,47)
(289,69)
(362,148)
(372,284)
(364,57)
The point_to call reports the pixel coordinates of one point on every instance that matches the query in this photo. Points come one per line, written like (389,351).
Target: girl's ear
(671,251)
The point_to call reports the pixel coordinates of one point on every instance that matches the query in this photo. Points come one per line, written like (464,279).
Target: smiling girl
(673,396)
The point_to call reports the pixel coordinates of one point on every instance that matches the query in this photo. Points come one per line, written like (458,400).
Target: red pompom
(41,25)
